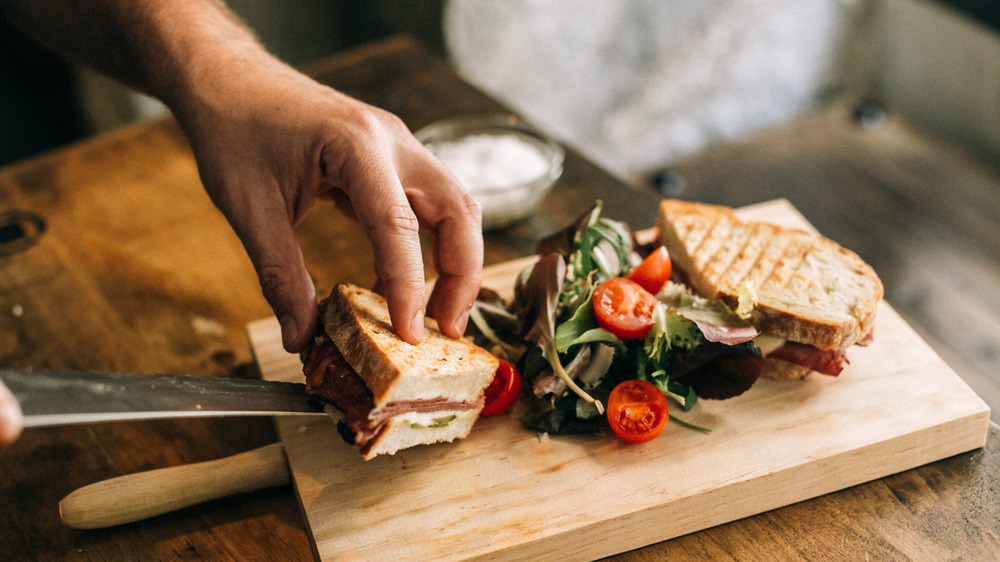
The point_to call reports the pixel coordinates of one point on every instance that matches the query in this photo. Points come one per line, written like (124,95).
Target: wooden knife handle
(145,494)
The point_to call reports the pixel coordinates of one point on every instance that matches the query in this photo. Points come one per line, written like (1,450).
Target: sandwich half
(812,297)
(388,394)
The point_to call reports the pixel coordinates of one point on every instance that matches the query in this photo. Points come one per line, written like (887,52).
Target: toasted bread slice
(405,379)
(357,321)
(809,289)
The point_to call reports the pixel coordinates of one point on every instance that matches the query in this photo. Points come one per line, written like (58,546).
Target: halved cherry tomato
(654,271)
(624,308)
(502,393)
(637,411)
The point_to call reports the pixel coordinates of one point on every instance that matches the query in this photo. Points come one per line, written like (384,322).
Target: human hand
(268,140)
(10,417)
(269,143)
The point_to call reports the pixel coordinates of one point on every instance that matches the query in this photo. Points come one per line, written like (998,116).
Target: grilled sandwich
(385,393)
(813,298)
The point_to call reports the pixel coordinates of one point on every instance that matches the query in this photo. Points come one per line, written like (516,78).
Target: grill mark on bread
(775,255)
(714,241)
(789,264)
(758,266)
(715,251)
(746,259)
(809,288)
(702,236)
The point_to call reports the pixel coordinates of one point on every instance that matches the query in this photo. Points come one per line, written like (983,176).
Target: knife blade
(49,397)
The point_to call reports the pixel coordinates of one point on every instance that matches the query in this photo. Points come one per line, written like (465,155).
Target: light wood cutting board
(508,493)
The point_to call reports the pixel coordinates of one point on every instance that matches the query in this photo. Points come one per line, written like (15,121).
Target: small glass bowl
(505,164)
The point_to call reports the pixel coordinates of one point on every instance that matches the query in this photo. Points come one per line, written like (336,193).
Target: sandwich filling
(718,323)
(330,378)
(825,361)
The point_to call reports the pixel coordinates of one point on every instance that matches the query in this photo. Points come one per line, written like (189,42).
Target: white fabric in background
(635,84)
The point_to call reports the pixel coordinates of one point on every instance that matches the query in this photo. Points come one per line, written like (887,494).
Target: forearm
(171,49)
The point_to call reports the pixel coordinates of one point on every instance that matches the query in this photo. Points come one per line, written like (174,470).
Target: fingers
(10,417)
(290,292)
(394,186)
(458,257)
(381,207)
(274,250)
(396,191)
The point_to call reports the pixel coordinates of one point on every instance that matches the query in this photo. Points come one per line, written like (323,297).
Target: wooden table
(126,265)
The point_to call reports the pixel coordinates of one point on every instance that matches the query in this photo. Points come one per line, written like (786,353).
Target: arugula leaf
(582,327)
(603,247)
(670,332)
(596,335)
(546,281)
(683,394)
(620,240)
(574,294)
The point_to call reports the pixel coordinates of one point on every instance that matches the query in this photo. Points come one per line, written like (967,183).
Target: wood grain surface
(134,269)
(506,492)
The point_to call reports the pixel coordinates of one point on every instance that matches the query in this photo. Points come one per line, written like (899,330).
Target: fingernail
(417,325)
(289,329)
(461,323)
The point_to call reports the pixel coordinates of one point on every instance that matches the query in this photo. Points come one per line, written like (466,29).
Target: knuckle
(392,121)
(399,218)
(368,123)
(272,280)
(470,205)
(405,279)
(373,122)
(465,210)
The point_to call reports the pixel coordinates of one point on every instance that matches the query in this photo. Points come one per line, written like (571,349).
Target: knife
(51,398)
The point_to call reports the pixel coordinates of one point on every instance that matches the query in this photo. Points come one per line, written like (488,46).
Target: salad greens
(569,364)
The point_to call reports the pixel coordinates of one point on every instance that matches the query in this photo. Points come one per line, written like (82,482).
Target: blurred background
(661,79)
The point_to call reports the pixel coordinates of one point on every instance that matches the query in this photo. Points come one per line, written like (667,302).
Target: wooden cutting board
(506,492)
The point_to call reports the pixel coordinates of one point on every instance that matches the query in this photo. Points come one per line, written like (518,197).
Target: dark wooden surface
(135,270)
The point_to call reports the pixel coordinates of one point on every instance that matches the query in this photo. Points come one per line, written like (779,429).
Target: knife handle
(145,494)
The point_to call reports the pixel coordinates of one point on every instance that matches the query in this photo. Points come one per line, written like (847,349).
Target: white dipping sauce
(484,162)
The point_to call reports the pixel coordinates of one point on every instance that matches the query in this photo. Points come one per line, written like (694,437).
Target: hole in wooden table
(19,230)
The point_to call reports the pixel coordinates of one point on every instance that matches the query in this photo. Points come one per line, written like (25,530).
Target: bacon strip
(330,378)
(829,362)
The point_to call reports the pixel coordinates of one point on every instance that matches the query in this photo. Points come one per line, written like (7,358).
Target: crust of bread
(357,320)
(809,289)
(400,434)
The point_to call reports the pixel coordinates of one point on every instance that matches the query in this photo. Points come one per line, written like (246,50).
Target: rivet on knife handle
(138,496)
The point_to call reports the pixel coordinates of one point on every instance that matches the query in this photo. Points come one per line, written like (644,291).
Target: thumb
(284,281)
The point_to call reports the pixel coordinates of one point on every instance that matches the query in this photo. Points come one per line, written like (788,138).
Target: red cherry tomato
(654,271)
(624,308)
(637,411)
(502,393)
